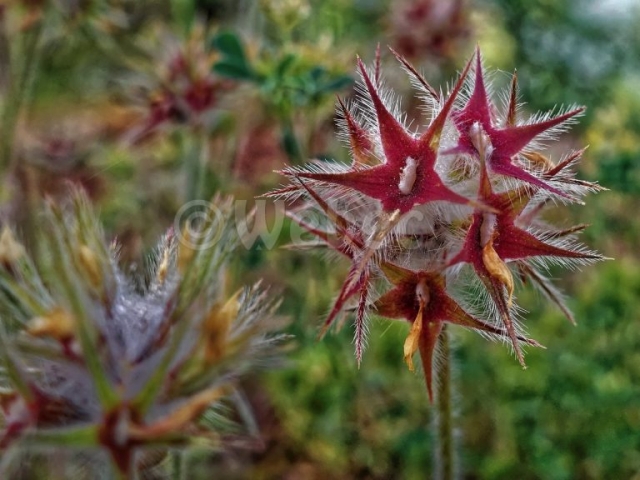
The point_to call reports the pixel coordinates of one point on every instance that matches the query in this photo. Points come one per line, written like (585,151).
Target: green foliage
(286,82)
(572,414)
(571,47)
(234,63)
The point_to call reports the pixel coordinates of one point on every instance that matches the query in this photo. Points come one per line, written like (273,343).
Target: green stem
(177,465)
(120,475)
(445,460)
(30,196)
(196,158)
(13,370)
(73,437)
(290,143)
(19,92)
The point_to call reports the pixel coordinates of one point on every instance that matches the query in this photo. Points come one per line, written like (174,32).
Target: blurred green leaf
(284,65)
(317,72)
(336,84)
(229,44)
(234,71)
(290,143)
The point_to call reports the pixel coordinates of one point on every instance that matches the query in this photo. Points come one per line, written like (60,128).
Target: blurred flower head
(181,89)
(429,28)
(93,359)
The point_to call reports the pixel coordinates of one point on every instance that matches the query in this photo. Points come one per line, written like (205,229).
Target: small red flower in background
(429,28)
(185,90)
(413,208)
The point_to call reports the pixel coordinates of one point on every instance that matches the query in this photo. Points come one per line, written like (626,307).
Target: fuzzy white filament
(487,228)
(481,141)
(422,292)
(408,176)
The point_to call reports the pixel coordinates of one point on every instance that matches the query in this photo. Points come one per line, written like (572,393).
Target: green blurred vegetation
(573,414)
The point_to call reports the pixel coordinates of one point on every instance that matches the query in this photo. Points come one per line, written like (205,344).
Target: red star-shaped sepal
(407,177)
(493,239)
(422,299)
(506,142)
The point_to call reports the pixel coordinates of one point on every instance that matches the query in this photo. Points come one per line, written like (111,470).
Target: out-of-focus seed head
(92,360)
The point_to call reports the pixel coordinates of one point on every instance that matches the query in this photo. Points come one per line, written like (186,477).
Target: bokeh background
(149,104)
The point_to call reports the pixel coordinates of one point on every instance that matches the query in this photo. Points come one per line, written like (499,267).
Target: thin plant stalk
(290,142)
(120,475)
(177,465)
(196,158)
(445,451)
(19,92)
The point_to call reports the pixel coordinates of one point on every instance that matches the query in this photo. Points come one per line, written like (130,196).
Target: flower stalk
(446,455)
(19,90)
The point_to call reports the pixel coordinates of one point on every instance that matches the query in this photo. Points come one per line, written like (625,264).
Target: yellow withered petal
(216,327)
(413,339)
(10,249)
(58,324)
(163,268)
(180,418)
(186,251)
(89,263)
(497,268)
